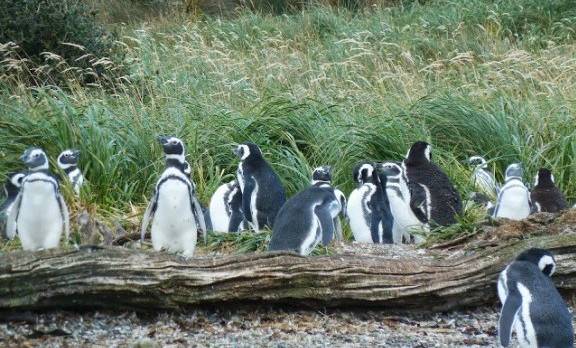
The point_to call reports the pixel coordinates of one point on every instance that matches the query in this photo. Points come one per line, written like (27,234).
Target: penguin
(545,195)
(405,221)
(226,208)
(262,191)
(174,211)
(531,304)
(368,207)
(68,162)
(483,179)
(513,199)
(11,190)
(322,176)
(434,199)
(39,214)
(304,220)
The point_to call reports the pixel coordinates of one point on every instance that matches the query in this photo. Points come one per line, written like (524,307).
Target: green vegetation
(320,86)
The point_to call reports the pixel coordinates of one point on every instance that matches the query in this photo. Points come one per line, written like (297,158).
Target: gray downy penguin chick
(434,198)
(322,177)
(483,179)
(39,214)
(262,191)
(513,199)
(531,304)
(545,196)
(226,208)
(174,211)
(405,221)
(304,220)
(68,162)
(11,190)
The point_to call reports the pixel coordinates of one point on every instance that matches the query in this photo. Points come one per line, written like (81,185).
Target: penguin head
(477,161)
(173,148)
(363,173)
(322,173)
(68,158)
(248,150)
(541,258)
(514,170)
(35,159)
(13,183)
(420,152)
(391,169)
(544,178)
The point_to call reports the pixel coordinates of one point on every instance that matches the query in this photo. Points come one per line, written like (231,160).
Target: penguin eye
(174,142)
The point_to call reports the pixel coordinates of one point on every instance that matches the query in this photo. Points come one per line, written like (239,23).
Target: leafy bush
(46,41)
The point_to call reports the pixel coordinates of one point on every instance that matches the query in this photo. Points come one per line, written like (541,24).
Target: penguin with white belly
(226,208)
(514,198)
(68,162)
(11,190)
(39,214)
(304,220)
(434,198)
(262,191)
(407,226)
(545,195)
(174,211)
(482,177)
(531,304)
(322,177)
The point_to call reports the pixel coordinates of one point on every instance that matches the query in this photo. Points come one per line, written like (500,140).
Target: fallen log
(120,278)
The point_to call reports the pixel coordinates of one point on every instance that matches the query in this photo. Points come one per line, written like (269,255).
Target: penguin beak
(237,151)
(76,153)
(163,140)
(24,157)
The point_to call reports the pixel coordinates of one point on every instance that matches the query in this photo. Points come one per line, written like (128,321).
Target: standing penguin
(434,198)
(368,208)
(513,199)
(545,195)
(187,169)
(39,214)
(304,220)
(262,192)
(483,178)
(11,190)
(531,305)
(68,162)
(226,208)
(405,221)
(322,176)
(174,210)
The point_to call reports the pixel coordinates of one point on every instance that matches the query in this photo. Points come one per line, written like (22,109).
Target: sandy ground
(248,327)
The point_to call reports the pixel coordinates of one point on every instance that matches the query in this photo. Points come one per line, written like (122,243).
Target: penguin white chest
(219,209)
(174,227)
(358,212)
(253,208)
(523,322)
(39,220)
(513,203)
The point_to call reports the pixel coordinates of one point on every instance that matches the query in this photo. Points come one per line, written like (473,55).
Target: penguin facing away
(545,196)
(68,162)
(483,179)
(513,199)
(226,208)
(11,190)
(531,304)
(382,218)
(262,191)
(39,193)
(174,211)
(322,176)
(304,220)
(405,221)
(358,210)
(434,198)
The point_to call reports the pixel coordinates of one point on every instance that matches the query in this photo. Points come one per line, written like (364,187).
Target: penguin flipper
(197,209)
(247,198)
(508,316)
(236,220)
(417,201)
(148,215)
(65,216)
(11,225)
(324,213)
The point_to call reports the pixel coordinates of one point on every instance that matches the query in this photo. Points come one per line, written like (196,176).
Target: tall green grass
(321,86)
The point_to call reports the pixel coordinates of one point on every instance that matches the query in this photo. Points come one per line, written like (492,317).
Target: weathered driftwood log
(115,277)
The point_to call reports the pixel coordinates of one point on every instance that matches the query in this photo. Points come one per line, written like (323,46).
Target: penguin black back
(382,219)
(545,195)
(422,173)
